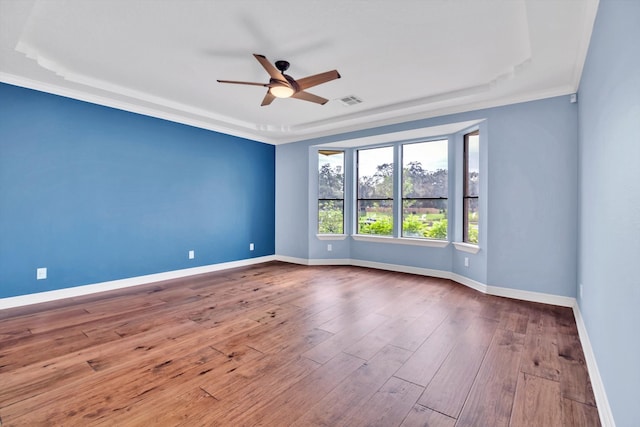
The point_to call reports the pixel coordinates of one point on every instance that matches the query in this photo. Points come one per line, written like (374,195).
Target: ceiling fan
(283,86)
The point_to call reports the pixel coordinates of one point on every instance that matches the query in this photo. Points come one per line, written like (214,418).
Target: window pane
(424,218)
(424,169)
(473,164)
(375,217)
(471,220)
(331,174)
(471,187)
(330,216)
(375,173)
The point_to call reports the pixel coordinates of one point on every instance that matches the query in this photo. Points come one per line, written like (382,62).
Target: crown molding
(131,107)
(381,117)
(581,54)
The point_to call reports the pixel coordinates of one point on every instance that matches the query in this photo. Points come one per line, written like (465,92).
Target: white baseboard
(473,284)
(292,260)
(401,268)
(39,297)
(337,261)
(540,297)
(304,261)
(604,409)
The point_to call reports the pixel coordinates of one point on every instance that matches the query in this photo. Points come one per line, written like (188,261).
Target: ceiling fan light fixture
(283,86)
(281,91)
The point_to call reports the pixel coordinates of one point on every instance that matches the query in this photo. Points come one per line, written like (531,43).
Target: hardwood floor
(279,344)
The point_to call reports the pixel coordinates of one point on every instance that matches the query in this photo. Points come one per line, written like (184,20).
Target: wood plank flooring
(278,344)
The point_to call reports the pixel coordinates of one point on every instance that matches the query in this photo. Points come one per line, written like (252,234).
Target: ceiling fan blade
(268,99)
(307,82)
(244,83)
(306,96)
(271,69)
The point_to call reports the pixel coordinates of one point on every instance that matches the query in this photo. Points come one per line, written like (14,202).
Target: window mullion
(397,190)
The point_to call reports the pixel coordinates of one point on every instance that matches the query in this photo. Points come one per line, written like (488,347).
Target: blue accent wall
(609,249)
(96,194)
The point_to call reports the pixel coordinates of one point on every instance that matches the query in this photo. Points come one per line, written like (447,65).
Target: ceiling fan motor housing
(282,65)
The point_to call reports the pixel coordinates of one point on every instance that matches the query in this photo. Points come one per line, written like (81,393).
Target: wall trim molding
(540,297)
(411,111)
(292,260)
(402,268)
(473,284)
(23,300)
(559,300)
(604,409)
(152,110)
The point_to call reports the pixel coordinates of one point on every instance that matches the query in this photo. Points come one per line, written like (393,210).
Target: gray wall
(609,248)
(529,173)
(533,197)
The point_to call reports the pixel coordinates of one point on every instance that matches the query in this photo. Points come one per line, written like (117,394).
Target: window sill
(331,236)
(467,247)
(401,240)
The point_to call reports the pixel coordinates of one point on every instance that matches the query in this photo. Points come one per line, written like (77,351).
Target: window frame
(392,199)
(466,197)
(402,195)
(321,199)
(396,236)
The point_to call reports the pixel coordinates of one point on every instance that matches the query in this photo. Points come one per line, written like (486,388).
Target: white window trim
(467,247)
(344,200)
(401,240)
(331,236)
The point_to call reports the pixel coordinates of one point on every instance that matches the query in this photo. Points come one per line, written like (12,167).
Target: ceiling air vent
(348,101)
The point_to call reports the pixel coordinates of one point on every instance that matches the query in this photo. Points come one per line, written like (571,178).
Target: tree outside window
(425,189)
(330,192)
(375,191)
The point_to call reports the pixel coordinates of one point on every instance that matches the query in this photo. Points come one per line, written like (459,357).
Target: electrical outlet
(580,290)
(251,247)
(192,254)
(41,273)
(466,261)
(329,247)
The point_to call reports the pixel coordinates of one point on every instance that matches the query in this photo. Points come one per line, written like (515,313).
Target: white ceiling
(406,59)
